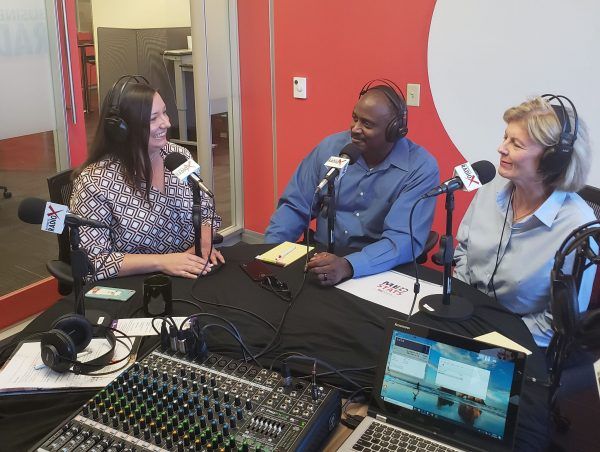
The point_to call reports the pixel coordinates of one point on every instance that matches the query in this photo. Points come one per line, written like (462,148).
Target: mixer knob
(232,421)
(203,421)
(205,390)
(215,393)
(228,410)
(217,406)
(237,401)
(203,378)
(221,418)
(226,429)
(194,385)
(226,396)
(184,382)
(182,371)
(209,414)
(206,402)
(240,414)
(213,381)
(214,426)
(157,439)
(248,404)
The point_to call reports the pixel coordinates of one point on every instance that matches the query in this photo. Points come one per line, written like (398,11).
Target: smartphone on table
(256,270)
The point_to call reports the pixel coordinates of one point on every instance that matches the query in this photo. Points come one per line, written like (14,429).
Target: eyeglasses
(279,288)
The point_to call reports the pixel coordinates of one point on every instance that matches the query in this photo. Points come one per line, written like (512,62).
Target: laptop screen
(455,382)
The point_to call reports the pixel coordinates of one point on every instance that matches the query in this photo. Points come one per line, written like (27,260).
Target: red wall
(257,130)
(338,45)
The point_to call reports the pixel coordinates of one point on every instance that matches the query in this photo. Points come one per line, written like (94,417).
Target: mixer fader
(167,402)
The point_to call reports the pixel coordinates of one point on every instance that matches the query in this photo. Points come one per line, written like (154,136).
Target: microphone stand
(447,306)
(80,268)
(331,216)
(197,219)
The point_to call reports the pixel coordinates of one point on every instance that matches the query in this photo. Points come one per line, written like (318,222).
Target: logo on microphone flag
(185,169)
(54,218)
(340,163)
(468,177)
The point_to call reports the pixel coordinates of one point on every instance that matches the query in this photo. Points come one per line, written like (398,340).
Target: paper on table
(284,254)
(142,327)
(25,371)
(390,289)
(498,339)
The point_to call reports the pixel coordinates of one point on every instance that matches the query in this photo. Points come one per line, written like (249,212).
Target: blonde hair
(544,127)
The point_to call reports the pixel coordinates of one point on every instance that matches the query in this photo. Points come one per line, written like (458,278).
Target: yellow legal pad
(284,254)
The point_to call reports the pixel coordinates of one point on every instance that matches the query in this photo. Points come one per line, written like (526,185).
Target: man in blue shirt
(373,198)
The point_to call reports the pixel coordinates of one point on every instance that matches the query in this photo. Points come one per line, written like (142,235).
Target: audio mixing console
(167,402)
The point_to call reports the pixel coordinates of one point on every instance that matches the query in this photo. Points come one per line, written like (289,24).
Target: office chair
(60,187)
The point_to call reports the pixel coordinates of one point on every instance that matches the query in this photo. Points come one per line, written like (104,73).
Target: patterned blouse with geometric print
(165,226)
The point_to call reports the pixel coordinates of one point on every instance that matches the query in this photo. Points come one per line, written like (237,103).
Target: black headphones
(564,288)
(556,158)
(71,334)
(115,126)
(398,126)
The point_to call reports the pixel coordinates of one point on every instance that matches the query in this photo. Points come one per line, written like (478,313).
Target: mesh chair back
(591,195)
(60,187)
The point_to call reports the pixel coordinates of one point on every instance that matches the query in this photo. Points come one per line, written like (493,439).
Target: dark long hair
(135,109)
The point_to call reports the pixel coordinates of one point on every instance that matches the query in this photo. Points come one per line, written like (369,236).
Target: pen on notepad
(286,252)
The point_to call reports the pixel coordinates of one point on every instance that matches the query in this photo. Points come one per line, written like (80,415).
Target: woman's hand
(186,265)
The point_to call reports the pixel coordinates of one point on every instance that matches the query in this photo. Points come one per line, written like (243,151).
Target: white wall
(486,56)
(140,13)
(26,75)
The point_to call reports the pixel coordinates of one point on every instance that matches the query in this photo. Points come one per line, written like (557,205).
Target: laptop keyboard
(384,438)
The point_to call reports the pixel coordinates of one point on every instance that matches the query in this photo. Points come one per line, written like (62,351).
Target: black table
(327,323)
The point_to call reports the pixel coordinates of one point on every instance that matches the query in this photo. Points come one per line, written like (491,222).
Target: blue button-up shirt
(526,255)
(373,204)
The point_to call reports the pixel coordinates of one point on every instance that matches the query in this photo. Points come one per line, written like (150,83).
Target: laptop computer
(438,391)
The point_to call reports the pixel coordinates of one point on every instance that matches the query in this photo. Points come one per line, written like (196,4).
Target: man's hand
(329,268)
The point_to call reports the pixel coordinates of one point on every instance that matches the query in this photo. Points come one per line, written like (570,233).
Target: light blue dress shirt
(526,256)
(373,204)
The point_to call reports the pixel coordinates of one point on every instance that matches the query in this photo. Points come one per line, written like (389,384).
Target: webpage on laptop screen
(465,387)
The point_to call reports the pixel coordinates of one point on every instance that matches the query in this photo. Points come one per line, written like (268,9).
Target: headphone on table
(557,157)
(564,287)
(116,127)
(398,126)
(71,334)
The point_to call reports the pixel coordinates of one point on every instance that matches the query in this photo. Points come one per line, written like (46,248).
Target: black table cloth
(326,323)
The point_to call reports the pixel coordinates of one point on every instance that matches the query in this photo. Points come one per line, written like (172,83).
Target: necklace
(529,212)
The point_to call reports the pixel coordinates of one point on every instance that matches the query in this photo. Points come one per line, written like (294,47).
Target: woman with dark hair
(515,224)
(124,185)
